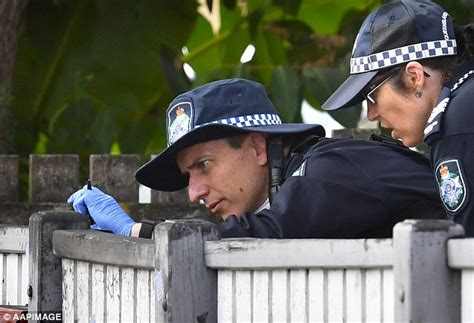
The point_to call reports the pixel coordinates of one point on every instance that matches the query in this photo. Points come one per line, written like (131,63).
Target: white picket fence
(183,277)
(13,265)
(106,282)
(303,280)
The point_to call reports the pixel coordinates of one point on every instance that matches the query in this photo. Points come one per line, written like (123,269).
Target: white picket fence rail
(13,265)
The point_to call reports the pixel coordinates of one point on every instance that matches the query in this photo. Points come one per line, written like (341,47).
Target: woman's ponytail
(468,33)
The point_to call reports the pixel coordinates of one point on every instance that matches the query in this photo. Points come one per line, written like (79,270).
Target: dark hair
(236,141)
(290,140)
(445,64)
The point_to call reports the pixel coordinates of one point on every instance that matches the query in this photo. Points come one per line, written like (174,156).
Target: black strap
(147,228)
(388,141)
(276,164)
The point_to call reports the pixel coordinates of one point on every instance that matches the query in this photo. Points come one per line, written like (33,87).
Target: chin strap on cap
(275,165)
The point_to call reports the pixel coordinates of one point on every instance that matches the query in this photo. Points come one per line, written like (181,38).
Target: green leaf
(83,128)
(176,79)
(325,16)
(201,46)
(270,52)
(286,94)
(107,53)
(230,4)
(290,7)
(211,55)
(135,134)
(320,83)
(258,5)
(462,11)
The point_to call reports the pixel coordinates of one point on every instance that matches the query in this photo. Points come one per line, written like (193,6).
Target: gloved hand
(104,209)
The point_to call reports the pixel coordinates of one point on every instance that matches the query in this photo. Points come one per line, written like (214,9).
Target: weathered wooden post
(426,289)
(53,177)
(186,290)
(45,272)
(9,178)
(114,175)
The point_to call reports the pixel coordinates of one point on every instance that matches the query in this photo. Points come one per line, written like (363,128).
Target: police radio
(275,165)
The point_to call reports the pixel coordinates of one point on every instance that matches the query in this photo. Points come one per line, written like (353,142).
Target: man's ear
(259,143)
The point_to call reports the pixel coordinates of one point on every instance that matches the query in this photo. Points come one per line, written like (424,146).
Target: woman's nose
(372,113)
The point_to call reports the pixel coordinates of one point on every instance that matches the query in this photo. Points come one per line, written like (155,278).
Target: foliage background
(95,76)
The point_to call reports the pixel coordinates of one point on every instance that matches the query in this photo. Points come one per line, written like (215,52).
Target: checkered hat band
(403,54)
(253,120)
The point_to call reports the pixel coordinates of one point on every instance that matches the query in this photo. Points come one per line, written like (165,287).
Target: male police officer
(268,179)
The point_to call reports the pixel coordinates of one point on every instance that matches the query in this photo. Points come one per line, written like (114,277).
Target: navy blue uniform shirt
(344,188)
(450,135)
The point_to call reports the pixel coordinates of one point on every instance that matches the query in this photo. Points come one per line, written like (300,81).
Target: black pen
(89,187)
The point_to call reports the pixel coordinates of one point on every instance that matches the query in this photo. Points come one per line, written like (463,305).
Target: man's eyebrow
(193,164)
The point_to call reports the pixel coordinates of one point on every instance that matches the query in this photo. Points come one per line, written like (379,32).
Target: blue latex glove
(104,209)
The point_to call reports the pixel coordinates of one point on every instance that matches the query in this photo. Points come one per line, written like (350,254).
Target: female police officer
(227,143)
(415,69)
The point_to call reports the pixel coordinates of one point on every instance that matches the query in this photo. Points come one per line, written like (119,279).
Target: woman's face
(400,109)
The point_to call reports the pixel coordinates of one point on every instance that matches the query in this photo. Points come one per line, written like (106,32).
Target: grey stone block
(53,177)
(178,197)
(9,178)
(114,174)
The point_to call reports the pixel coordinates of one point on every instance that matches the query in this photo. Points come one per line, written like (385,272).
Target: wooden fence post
(114,175)
(426,289)
(45,271)
(53,177)
(9,178)
(186,290)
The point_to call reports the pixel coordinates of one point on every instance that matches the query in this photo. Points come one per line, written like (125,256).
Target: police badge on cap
(452,188)
(179,121)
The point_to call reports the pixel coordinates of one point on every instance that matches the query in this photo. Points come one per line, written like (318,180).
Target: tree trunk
(11,12)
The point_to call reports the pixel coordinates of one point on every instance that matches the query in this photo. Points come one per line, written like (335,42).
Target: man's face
(229,180)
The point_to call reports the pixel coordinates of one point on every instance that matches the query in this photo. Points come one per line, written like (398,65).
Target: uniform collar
(458,72)
(264,206)
(433,128)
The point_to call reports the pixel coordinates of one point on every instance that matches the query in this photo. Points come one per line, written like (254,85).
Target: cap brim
(162,172)
(348,93)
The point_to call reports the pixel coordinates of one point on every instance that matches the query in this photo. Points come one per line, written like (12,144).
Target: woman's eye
(204,163)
